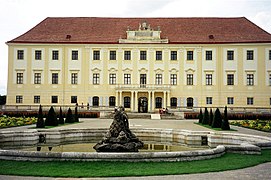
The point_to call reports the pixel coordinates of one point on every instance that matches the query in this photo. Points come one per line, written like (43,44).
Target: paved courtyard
(261,171)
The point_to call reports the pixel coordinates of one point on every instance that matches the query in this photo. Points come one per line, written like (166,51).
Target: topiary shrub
(61,118)
(217,121)
(51,119)
(225,122)
(200,116)
(211,118)
(206,117)
(76,119)
(40,122)
(69,118)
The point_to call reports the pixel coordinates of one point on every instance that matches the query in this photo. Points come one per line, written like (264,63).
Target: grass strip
(210,127)
(229,161)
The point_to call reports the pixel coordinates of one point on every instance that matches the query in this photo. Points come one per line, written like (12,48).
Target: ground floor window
(36,99)
(189,102)
(95,101)
(230,100)
(54,99)
(158,102)
(127,101)
(250,101)
(112,101)
(19,99)
(209,100)
(73,99)
(173,102)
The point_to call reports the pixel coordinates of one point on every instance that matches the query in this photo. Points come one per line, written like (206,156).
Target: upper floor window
(269,54)
(96,78)
(143,55)
(127,78)
(55,55)
(127,55)
(250,54)
(250,79)
(74,55)
(230,55)
(54,78)
(173,55)
(112,55)
(189,79)
(19,99)
(189,55)
(112,78)
(209,79)
(20,54)
(37,78)
(20,78)
(209,100)
(36,99)
(158,79)
(209,55)
(250,101)
(74,78)
(173,79)
(230,79)
(96,55)
(38,55)
(158,55)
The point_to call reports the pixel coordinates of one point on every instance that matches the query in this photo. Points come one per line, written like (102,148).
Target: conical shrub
(211,117)
(51,119)
(40,122)
(200,116)
(217,122)
(225,123)
(61,118)
(205,117)
(69,117)
(76,119)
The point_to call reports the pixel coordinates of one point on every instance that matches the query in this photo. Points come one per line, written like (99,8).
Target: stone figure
(119,138)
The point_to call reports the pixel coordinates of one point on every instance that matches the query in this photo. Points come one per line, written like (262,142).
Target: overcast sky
(18,16)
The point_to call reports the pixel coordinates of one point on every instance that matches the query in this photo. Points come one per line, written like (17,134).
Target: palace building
(143,64)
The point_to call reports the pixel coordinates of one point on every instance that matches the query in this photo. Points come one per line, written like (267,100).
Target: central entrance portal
(142,105)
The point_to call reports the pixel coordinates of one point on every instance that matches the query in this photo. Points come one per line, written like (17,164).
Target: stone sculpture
(119,138)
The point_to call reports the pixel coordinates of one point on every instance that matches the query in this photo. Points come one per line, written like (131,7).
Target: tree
(205,117)
(211,117)
(225,123)
(217,122)
(69,118)
(40,122)
(200,116)
(61,118)
(51,119)
(76,119)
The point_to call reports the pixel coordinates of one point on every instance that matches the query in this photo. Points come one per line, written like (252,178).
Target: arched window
(127,102)
(112,101)
(158,102)
(173,102)
(189,102)
(95,101)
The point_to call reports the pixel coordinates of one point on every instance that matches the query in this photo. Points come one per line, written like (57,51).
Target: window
(269,54)
(230,79)
(158,55)
(250,101)
(20,54)
(37,78)
(143,80)
(127,102)
(96,78)
(189,102)
(270,101)
(74,78)
(38,55)
(173,79)
(112,101)
(173,102)
(250,79)
(74,55)
(96,55)
(19,99)
(209,79)
(189,79)
(20,78)
(36,99)
(54,99)
(158,102)
(269,79)
(127,78)
(250,55)
(127,55)
(209,100)
(112,78)
(112,55)
(158,79)
(173,55)
(54,78)
(230,100)
(209,55)
(95,101)
(143,55)
(73,99)
(190,55)
(230,55)
(55,55)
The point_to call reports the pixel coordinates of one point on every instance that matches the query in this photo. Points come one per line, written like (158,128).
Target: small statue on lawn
(119,138)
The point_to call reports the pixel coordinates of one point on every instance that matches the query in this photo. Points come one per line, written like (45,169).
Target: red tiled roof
(176,30)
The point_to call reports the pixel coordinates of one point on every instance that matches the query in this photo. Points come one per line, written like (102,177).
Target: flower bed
(262,125)
(6,121)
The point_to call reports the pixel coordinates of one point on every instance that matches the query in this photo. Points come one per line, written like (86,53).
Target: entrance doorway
(142,105)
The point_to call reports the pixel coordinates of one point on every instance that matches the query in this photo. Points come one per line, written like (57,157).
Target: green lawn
(228,161)
(210,127)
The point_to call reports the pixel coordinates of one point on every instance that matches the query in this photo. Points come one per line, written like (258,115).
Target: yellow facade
(159,86)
